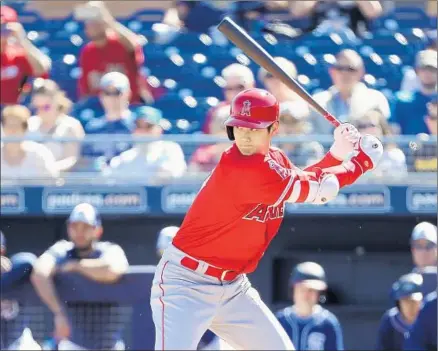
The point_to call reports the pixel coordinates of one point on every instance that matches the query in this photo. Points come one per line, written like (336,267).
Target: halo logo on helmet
(246,109)
(252,108)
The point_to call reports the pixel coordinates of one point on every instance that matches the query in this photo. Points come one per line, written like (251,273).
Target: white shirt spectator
(38,162)
(65,127)
(150,163)
(362,100)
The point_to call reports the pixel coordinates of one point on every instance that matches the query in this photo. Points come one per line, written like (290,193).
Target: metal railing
(407,159)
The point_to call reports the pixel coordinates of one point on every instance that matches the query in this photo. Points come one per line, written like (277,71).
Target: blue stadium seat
(411,17)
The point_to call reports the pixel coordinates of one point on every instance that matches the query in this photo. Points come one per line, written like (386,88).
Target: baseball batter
(200,282)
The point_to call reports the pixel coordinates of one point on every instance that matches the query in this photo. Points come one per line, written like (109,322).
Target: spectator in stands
(25,160)
(374,123)
(396,322)
(14,270)
(337,15)
(51,121)
(424,254)
(112,47)
(310,326)
(348,99)
(424,152)
(152,162)
(20,59)
(423,334)
(409,108)
(118,119)
(84,254)
(293,121)
(206,157)
(410,81)
(281,91)
(237,78)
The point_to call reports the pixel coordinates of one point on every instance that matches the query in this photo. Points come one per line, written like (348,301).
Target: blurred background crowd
(96,68)
(136,92)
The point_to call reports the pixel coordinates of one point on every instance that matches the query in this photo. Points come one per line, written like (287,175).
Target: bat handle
(334,122)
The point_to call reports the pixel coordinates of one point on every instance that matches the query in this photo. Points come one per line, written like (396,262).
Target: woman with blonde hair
(51,121)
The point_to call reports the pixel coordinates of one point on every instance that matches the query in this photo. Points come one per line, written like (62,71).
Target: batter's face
(304,295)
(424,253)
(82,235)
(254,141)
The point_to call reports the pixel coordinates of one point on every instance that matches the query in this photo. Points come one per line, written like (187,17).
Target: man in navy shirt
(396,322)
(118,119)
(423,335)
(310,326)
(409,108)
(14,331)
(81,325)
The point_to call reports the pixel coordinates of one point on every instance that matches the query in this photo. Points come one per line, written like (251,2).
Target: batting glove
(346,138)
(368,152)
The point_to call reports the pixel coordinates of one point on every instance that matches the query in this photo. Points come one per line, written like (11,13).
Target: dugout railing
(100,309)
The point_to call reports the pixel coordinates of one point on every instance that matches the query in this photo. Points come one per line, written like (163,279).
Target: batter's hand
(346,137)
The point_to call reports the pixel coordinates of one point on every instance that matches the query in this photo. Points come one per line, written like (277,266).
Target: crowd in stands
(116,92)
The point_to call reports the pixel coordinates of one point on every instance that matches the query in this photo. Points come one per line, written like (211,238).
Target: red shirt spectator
(113,48)
(19,58)
(95,61)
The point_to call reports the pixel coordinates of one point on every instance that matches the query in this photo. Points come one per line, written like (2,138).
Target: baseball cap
(311,274)
(7,15)
(408,285)
(149,114)
(115,79)
(426,58)
(425,230)
(165,237)
(85,213)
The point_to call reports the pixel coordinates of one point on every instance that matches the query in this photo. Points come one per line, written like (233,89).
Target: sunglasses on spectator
(343,68)
(429,246)
(144,125)
(112,93)
(367,125)
(239,87)
(44,107)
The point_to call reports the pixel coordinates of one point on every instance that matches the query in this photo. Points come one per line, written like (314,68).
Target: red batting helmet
(252,108)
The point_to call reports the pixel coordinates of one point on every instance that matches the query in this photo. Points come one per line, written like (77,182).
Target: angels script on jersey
(262,213)
(283,172)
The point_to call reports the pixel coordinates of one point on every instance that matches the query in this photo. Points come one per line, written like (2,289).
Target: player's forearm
(97,270)
(327,161)
(45,289)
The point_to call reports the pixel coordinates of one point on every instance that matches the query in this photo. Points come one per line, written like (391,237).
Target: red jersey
(14,67)
(96,61)
(238,211)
